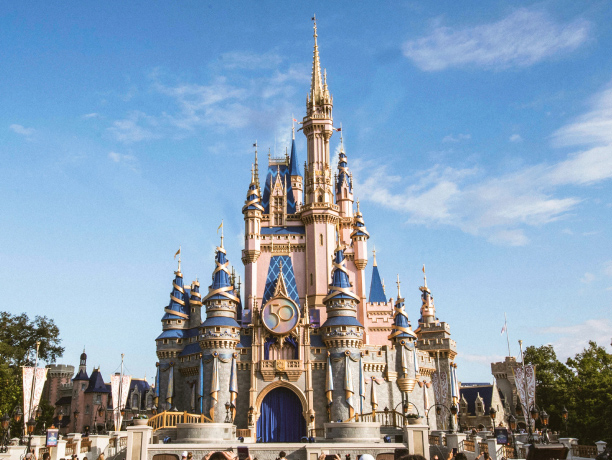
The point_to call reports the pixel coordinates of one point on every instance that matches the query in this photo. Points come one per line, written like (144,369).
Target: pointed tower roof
(428,309)
(96,383)
(221,287)
(82,374)
(195,296)
(294,164)
(316,84)
(177,308)
(359,227)
(401,325)
(253,201)
(340,287)
(377,292)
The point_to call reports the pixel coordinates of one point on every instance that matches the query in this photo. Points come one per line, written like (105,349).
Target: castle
(302,342)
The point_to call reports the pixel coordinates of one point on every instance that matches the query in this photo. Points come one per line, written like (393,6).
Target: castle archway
(281,414)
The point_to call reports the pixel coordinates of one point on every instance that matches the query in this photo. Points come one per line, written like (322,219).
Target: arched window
(320,198)
(135,400)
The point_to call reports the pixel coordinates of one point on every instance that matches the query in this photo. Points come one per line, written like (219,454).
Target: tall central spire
(316,87)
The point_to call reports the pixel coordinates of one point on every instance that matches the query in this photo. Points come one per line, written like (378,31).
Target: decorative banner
(404,362)
(233,386)
(170,389)
(425,396)
(329,381)
(453,384)
(119,391)
(362,385)
(36,376)
(157,385)
(373,398)
(527,399)
(52,435)
(201,388)
(416,362)
(348,388)
(440,384)
(214,386)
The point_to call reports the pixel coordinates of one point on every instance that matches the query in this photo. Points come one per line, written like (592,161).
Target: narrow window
(321,239)
(311,279)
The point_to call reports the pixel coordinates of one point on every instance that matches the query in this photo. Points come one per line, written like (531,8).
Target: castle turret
(319,213)
(344,188)
(428,310)
(219,335)
(252,211)
(342,334)
(175,322)
(359,239)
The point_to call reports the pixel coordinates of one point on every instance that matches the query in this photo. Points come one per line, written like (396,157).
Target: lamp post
(565,416)
(30,426)
(544,418)
(452,411)
(492,414)
(5,421)
(512,426)
(76,417)
(227,412)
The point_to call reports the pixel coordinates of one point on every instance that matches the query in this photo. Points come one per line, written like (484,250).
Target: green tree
(18,337)
(553,380)
(583,385)
(592,395)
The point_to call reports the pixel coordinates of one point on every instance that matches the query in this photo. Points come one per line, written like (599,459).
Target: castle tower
(219,335)
(96,395)
(79,385)
(175,323)
(252,211)
(434,338)
(342,334)
(404,341)
(296,177)
(344,190)
(278,200)
(319,213)
(359,238)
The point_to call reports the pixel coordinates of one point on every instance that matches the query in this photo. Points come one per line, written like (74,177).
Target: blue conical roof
(294,169)
(340,287)
(221,287)
(96,383)
(401,326)
(359,227)
(343,173)
(253,201)
(177,299)
(377,293)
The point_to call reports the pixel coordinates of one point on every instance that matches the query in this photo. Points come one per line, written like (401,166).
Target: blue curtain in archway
(281,417)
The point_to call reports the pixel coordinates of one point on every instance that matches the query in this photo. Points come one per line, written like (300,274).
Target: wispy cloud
(19,129)
(91,115)
(131,129)
(458,138)
(588,278)
(569,340)
(516,138)
(521,39)
(129,160)
(225,101)
(500,208)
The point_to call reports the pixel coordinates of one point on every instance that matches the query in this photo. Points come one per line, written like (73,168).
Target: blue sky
(480,138)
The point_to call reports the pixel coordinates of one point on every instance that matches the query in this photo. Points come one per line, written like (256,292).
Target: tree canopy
(18,337)
(582,384)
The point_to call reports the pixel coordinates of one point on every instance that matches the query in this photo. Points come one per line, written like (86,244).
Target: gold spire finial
(178,253)
(315,87)
(424,277)
(399,295)
(358,205)
(252,174)
(293,126)
(373,252)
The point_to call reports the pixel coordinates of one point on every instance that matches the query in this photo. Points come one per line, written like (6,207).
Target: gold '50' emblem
(280,315)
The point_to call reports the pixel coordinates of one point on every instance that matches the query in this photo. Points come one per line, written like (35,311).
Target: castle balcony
(270,368)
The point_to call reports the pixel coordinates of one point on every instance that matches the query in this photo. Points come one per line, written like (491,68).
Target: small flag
(338,129)
(503,329)
(255,144)
(177,253)
(220,226)
(423,268)
(294,120)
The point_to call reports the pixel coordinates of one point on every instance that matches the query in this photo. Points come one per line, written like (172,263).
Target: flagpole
(507,338)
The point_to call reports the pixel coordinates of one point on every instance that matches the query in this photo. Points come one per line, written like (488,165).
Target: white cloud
(516,138)
(523,38)
(130,130)
(457,138)
(91,115)
(19,129)
(588,278)
(129,160)
(570,340)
